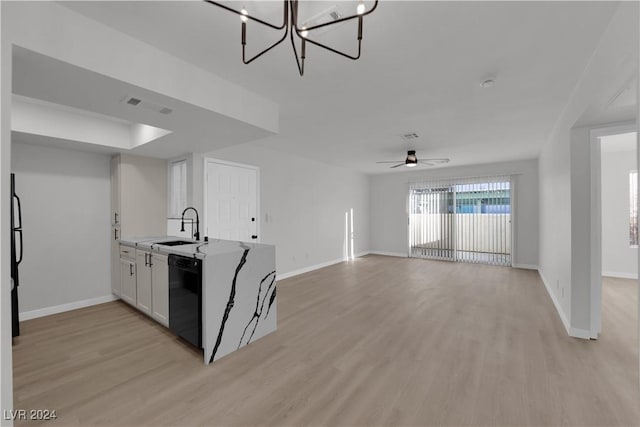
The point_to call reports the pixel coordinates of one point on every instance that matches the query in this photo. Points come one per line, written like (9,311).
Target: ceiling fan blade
(392,161)
(434,161)
(397,166)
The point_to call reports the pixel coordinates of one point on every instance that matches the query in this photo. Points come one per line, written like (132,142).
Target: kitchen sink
(175,243)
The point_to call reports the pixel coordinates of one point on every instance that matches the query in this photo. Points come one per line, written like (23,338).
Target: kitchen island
(238,292)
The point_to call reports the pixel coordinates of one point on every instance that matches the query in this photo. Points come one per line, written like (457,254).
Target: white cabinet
(144,281)
(160,288)
(115,190)
(138,204)
(139,195)
(153,285)
(116,281)
(128,278)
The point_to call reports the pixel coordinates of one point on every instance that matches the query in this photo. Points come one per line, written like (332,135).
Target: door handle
(254,236)
(21,246)
(19,211)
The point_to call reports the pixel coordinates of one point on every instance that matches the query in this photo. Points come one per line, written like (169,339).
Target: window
(177,188)
(633,208)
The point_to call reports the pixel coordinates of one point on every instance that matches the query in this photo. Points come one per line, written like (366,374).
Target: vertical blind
(466,219)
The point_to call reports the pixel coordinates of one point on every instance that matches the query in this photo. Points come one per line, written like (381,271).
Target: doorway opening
(615,256)
(462,220)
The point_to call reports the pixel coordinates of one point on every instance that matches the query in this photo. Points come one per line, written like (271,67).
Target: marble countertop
(198,249)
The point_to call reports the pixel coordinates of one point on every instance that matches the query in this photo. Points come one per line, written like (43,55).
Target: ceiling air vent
(147,105)
(409,136)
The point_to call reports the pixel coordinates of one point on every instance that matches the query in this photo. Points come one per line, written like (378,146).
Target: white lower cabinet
(143,265)
(160,288)
(128,281)
(116,280)
(153,285)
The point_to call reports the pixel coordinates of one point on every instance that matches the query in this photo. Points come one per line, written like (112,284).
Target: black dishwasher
(185,298)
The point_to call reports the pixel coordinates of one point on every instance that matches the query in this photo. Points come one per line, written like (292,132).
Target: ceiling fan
(412,161)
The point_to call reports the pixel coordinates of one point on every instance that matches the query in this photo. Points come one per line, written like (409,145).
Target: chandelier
(291,27)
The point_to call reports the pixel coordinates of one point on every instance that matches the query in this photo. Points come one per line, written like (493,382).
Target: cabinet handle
(115,234)
(115,217)
(150,263)
(130,269)
(145,259)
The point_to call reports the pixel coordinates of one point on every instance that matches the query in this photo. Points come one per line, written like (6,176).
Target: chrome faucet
(196,235)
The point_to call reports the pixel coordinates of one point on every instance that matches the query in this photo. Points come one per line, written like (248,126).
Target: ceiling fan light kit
(412,161)
(292,27)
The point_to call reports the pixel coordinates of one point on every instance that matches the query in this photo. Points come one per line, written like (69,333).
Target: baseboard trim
(47,311)
(526,266)
(571,331)
(580,333)
(316,267)
(396,254)
(556,303)
(620,275)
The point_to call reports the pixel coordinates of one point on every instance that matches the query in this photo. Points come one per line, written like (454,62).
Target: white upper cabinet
(139,195)
(115,190)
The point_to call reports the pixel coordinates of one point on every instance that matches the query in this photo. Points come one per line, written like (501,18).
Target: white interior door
(231,192)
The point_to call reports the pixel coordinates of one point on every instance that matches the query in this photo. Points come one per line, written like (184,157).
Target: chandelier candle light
(291,26)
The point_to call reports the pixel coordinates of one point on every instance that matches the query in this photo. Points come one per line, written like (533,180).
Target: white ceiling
(193,128)
(420,71)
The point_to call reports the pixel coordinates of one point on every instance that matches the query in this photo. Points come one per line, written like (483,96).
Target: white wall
(565,173)
(65,214)
(638,163)
(6,371)
(389,206)
(305,202)
(618,258)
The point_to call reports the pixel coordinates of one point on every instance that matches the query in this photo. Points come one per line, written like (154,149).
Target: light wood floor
(378,341)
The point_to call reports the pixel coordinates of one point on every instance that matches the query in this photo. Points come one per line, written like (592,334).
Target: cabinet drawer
(127,252)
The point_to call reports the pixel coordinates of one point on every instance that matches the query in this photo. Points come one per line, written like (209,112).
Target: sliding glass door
(431,223)
(467,221)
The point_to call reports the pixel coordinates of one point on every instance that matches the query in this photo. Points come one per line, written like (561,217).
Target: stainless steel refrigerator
(16,255)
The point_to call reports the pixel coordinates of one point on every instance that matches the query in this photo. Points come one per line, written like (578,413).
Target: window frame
(171,189)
